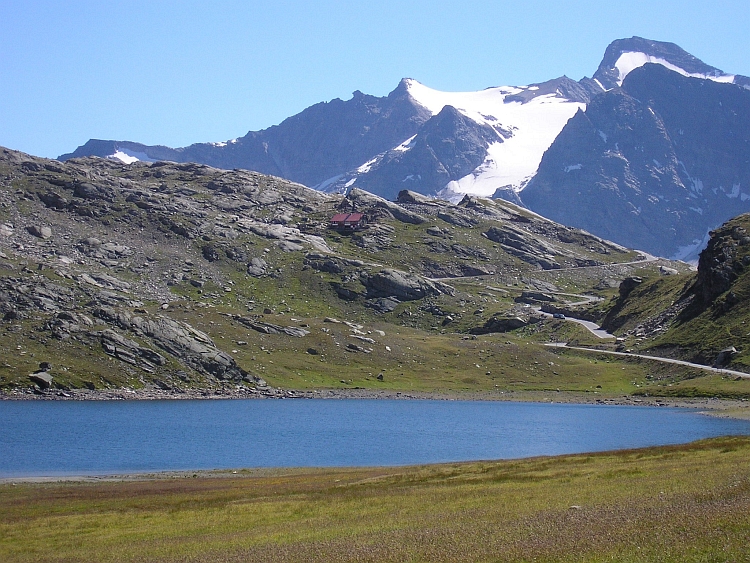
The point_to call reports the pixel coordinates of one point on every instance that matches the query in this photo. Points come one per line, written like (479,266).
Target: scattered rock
(42,232)
(257,267)
(383,304)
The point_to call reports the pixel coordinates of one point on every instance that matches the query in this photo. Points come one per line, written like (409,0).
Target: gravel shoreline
(732,408)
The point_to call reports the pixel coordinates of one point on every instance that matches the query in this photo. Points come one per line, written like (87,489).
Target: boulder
(42,379)
(42,232)
(87,190)
(503,324)
(535,297)
(402,285)
(383,304)
(257,267)
(408,196)
(53,200)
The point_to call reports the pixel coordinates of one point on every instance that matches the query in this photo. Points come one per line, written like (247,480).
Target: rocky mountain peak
(625,55)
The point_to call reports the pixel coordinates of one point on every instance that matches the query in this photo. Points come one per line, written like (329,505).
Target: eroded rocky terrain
(181,276)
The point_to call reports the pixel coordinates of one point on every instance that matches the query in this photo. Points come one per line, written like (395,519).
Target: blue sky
(178,72)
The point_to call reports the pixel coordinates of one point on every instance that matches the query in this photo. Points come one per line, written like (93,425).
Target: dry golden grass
(679,503)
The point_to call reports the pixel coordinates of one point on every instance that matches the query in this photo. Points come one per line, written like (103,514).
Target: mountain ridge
(402,141)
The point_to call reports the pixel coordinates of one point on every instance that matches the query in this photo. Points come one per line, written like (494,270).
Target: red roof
(347,218)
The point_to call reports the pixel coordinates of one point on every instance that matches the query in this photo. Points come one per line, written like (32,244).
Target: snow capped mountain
(655,164)
(531,144)
(526,120)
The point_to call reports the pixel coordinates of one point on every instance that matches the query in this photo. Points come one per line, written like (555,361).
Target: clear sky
(177,72)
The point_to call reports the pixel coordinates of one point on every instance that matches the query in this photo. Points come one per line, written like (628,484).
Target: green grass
(677,503)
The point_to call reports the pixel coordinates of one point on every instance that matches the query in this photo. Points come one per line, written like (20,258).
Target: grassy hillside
(694,316)
(180,277)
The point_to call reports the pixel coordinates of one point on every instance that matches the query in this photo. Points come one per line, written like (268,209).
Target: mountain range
(652,159)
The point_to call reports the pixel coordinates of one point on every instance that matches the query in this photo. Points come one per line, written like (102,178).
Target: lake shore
(721,407)
(670,503)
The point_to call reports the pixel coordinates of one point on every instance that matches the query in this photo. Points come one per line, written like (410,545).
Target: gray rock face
(628,285)
(130,351)
(322,141)
(191,346)
(653,165)
(402,285)
(720,264)
(725,356)
(523,246)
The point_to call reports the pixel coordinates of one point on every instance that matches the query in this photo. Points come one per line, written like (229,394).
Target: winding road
(722,371)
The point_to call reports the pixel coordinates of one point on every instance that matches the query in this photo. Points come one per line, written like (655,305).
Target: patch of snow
(535,125)
(409,144)
(630,61)
(698,210)
(600,84)
(690,252)
(573,167)
(657,163)
(365,168)
(604,136)
(412,177)
(126,156)
(325,183)
(735,192)
(350,182)
(696,183)
(218,144)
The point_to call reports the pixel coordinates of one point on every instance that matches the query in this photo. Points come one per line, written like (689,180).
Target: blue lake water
(100,437)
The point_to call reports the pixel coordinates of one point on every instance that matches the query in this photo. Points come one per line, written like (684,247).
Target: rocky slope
(180,276)
(701,317)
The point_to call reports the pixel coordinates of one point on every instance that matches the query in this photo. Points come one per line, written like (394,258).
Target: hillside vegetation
(181,278)
(695,316)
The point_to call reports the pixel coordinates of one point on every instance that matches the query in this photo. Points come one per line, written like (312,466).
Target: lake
(41,438)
